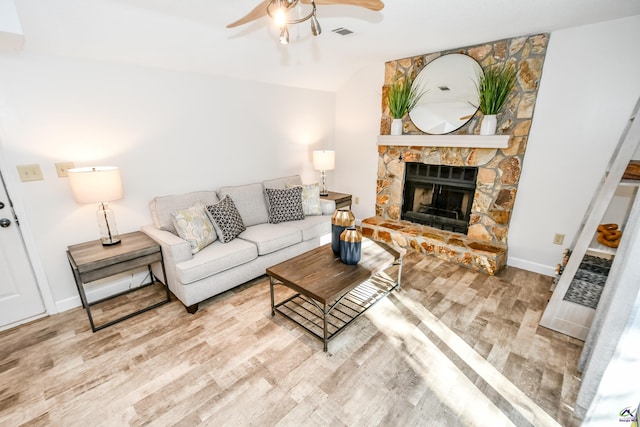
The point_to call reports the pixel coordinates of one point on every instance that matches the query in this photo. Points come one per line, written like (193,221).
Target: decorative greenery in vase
(402,97)
(494,88)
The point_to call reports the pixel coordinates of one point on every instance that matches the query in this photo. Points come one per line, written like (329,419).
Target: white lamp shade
(95,184)
(324,160)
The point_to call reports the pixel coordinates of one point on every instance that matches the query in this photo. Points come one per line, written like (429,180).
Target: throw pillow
(226,219)
(285,205)
(310,198)
(194,226)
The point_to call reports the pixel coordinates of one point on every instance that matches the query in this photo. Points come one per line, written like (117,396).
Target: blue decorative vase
(350,246)
(340,220)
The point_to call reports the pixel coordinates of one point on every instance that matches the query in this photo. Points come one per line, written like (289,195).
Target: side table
(91,261)
(341,199)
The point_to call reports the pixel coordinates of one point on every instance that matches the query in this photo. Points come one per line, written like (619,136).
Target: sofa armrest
(177,248)
(328,206)
(174,250)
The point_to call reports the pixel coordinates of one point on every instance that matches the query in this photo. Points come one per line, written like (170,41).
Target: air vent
(342,31)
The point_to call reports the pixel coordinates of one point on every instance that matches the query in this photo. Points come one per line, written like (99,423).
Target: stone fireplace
(482,246)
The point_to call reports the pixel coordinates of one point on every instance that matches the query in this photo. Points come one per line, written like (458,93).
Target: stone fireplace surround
(484,247)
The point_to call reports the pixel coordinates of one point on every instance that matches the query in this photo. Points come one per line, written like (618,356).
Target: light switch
(558,239)
(30,172)
(63,167)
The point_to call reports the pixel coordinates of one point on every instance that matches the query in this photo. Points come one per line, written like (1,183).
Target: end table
(341,199)
(92,261)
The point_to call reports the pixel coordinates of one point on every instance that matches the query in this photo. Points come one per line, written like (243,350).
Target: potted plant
(401,98)
(494,88)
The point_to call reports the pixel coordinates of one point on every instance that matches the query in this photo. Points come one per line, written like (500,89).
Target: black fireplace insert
(439,196)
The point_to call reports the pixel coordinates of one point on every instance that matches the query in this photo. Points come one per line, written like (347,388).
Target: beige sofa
(219,266)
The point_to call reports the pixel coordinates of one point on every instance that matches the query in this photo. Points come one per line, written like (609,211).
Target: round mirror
(450,99)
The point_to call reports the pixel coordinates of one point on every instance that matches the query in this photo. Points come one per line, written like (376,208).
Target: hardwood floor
(452,347)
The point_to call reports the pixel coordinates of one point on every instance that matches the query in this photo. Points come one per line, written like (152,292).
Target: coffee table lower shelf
(325,322)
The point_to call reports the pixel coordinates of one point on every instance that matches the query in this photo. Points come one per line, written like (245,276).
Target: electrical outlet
(30,172)
(558,239)
(63,167)
(357,201)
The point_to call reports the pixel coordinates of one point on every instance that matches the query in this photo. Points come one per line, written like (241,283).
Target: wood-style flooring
(452,347)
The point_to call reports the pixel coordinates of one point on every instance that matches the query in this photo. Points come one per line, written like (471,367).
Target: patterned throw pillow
(285,205)
(310,198)
(194,226)
(226,219)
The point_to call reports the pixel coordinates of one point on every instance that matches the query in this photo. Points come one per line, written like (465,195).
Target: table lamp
(100,184)
(323,161)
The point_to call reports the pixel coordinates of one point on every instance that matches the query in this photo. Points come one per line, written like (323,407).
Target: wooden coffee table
(329,295)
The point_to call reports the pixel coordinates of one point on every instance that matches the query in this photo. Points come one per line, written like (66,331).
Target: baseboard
(535,267)
(68,304)
(103,289)
(22,321)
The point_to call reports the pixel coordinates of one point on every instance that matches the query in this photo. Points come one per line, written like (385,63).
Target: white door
(19,294)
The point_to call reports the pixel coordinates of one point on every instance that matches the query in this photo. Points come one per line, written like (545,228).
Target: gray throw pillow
(285,205)
(226,219)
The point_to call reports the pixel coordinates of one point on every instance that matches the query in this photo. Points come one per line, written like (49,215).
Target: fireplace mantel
(470,141)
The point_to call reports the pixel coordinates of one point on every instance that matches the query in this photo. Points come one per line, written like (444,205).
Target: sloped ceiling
(191,35)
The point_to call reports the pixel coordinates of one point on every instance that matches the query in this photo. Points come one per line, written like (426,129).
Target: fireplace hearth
(439,196)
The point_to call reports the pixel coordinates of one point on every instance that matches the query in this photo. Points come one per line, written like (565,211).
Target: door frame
(13,193)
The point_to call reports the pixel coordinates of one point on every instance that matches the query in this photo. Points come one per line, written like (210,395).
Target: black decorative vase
(350,246)
(340,220)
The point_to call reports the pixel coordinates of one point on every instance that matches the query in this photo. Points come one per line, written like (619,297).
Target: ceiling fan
(281,11)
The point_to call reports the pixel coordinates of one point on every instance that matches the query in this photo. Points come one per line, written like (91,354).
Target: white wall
(358,111)
(11,35)
(169,132)
(588,88)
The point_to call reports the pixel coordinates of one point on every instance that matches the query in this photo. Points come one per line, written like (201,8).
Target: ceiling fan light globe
(316,30)
(280,17)
(284,35)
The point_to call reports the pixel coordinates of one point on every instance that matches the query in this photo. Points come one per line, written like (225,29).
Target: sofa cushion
(312,226)
(285,205)
(215,258)
(271,237)
(328,206)
(250,202)
(194,226)
(281,183)
(226,219)
(162,207)
(310,198)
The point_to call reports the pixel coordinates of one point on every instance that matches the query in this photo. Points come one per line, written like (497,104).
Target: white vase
(396,127)
(488,125)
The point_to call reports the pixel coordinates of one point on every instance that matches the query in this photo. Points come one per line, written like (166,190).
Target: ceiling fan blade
(258,12)
(369,4)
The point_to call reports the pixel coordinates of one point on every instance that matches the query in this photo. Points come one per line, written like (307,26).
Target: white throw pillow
(310,198)
(194,226)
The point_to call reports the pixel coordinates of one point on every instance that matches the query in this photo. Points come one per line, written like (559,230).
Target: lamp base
(107,225)
(323,188)
(110,242)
